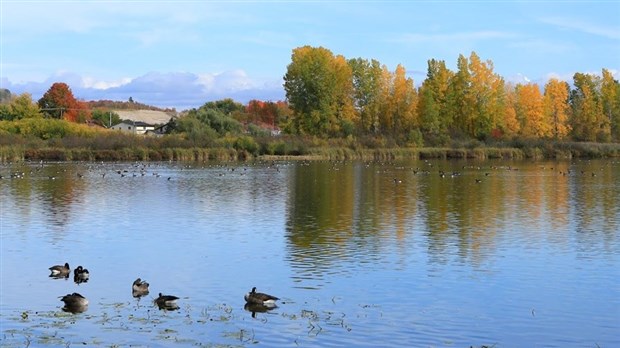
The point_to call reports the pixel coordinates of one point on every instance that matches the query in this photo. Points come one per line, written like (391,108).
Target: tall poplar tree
(588,121)
(459,98)
(610,95)
(433,110)
(557,108)
(530,111)
(367,86)
(487,96)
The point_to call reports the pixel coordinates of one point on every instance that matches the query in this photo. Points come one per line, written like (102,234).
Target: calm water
(361,254)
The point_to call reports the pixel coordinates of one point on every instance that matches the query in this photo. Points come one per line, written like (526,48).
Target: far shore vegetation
(336,108)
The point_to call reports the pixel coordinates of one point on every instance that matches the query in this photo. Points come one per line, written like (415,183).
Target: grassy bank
(138,152)
(55,140)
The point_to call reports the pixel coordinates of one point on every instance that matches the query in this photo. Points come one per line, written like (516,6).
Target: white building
(135,127)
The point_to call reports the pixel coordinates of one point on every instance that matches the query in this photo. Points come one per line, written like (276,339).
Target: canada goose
(256,308)
(81,273)
(74,303)
(60,271)
(166,301)
(139,288)
(259,298)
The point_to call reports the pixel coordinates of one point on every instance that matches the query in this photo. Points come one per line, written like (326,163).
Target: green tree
(610,95)
(588,120)
(106,117)
(319,90)
(20,107)
(196,131)
(226,106)
(433,110)
(459,98)
(215,119)
(367,88)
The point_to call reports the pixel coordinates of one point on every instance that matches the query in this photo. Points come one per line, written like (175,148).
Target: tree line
(332,96)
(210,120)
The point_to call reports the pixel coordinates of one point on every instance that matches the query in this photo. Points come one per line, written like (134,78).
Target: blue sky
(184,53)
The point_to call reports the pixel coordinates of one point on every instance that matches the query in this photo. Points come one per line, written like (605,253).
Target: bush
(246,144)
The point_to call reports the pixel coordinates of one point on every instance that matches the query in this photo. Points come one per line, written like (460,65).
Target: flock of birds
(76,303)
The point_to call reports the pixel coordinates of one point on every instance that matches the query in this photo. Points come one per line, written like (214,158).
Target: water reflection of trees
(340,214)
(46,192)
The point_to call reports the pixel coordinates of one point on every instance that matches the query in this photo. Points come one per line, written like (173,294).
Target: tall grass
(43,139)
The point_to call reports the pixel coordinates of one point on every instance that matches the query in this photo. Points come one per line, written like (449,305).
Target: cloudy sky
(184,53)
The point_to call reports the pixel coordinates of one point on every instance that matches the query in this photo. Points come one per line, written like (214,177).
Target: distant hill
(148,116)
(124,105)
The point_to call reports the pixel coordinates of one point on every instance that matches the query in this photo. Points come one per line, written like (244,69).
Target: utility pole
(110,113)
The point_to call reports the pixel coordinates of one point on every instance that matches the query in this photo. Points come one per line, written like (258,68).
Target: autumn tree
(460,101)
(58,102)
(400,114)
(433,112)
(610,97)
(588,120)
(530,111)
(20,107)
(319,90)
(556,108)
(367,86)
(486,94)
(511,126)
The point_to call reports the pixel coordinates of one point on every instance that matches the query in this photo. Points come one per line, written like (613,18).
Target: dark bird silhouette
(80,275)
(59,271)
(74,303)
(260,298)
(139,288)
(168,302)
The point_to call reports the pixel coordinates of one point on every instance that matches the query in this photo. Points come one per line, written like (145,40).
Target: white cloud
(180,90)
(89,82)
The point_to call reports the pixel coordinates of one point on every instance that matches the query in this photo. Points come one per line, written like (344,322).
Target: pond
(416,253)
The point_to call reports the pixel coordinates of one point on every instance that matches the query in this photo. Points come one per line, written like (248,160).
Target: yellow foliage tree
(511,123)
(487,93)
(530,111)
(556,107)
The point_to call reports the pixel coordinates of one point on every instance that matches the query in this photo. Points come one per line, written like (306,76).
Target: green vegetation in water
(235,326)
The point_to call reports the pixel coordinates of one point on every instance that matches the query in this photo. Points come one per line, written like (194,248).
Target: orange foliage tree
(58,102)
(530,111)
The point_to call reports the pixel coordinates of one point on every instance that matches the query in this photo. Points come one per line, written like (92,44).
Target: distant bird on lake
(139,288)
(74,303)
(260,298)
(166,302)
(59,271)
(80,275)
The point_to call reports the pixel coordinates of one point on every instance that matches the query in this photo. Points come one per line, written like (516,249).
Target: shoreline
(565,151)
